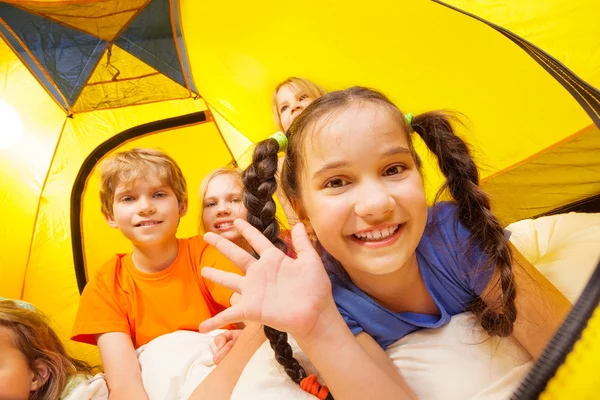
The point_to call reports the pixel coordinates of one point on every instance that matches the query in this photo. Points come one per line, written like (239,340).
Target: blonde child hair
(204,186)
(40,345)
(297,83)
(127,166)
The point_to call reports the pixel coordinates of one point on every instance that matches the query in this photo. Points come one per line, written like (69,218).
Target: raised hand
(284,293)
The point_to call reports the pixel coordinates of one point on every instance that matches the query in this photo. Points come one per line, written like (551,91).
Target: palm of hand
(284,293)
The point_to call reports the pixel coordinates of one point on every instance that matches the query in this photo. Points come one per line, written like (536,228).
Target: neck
(400,291)
(155,258)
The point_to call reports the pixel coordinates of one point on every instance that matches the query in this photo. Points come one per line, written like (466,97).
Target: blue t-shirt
(454,270)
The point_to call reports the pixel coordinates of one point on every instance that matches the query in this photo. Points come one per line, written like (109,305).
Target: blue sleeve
(463,253)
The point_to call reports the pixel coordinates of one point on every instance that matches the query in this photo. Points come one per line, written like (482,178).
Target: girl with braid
(386,265)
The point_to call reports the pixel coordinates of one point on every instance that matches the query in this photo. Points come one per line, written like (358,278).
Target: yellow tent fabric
(531,132)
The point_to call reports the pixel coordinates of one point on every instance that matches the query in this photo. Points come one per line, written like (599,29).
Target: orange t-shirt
(121,298)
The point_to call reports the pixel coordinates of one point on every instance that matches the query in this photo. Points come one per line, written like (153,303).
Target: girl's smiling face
(361,189)
(222,205)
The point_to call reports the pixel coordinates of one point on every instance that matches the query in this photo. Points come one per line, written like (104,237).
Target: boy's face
(146,211)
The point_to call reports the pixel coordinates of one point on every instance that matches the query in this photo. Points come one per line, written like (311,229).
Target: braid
(474,212)
(260,185)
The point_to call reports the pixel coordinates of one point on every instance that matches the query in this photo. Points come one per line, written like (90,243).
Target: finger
(220,354)
(220,341)
(228,316)
(237,255)
(301,241)
(223,278)
(256,239)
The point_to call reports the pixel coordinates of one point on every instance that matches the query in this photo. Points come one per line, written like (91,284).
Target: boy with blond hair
(157,288)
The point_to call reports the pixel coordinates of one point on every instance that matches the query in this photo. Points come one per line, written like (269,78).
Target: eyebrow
(123,191)
(227,194)
(395,151)
(341,164)
(128,189)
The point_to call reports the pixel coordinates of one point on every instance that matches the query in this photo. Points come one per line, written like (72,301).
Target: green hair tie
(409,118)
(281,139)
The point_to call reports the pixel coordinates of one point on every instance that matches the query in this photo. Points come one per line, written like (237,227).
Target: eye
(336,183)
(236,200)
(282,109)
(210,204)
(126,198)
(304,96)
(394,170)
(160,194)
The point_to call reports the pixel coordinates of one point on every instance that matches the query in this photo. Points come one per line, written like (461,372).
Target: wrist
(330,326)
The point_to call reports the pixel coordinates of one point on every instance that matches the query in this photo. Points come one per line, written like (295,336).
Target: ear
(183,208)
(39,376)
(110,220)
(301,213)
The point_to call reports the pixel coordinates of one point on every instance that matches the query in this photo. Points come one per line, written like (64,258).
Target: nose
(223,209)
(374,201)
(146,206)
(297,108)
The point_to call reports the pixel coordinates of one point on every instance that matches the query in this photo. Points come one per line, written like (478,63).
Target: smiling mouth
(149,223)
(224,225)
(376,235)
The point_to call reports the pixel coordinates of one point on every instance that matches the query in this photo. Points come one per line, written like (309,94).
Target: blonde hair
(313,89)
(127,166)
(204,186)
(40,344)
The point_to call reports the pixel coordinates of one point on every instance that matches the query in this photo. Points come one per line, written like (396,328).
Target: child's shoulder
(194,243)
(442,211)
(443,225)
(110,268)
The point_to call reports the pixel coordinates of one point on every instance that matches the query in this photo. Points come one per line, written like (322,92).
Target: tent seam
(39,205)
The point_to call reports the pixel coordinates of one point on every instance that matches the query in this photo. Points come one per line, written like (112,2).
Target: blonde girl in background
(220,198)
(290,98)
(221,203)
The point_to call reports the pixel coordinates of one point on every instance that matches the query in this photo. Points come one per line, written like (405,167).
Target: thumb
(301,241)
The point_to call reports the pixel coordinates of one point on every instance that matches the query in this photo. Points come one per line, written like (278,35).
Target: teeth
(224,224)
(376,235)
(148,223)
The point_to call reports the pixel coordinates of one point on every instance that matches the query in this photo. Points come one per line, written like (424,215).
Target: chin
(231,236)
(382,266)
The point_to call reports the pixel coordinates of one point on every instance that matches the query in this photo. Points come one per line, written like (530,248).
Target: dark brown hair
(40,344)
(455,162)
